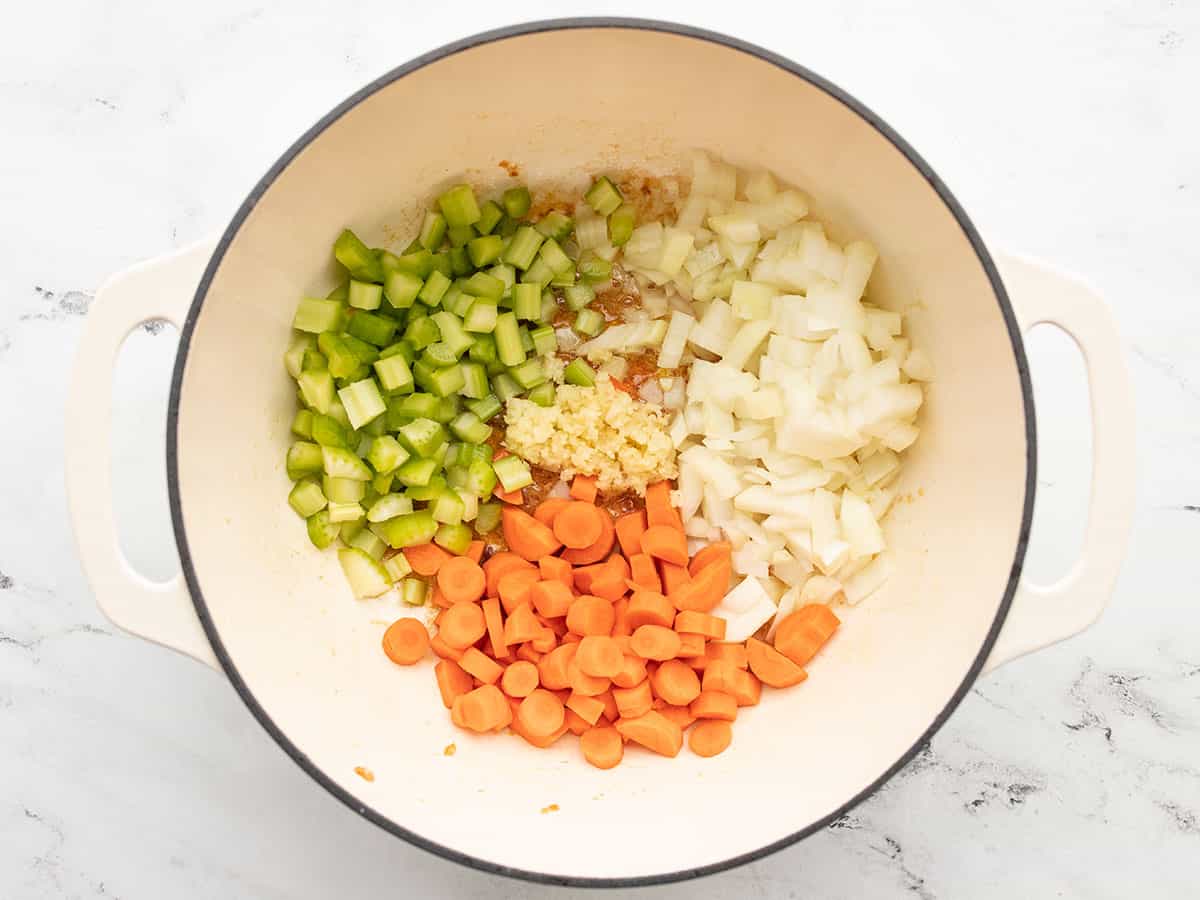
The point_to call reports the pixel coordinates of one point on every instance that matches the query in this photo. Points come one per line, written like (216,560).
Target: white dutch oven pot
(257,601)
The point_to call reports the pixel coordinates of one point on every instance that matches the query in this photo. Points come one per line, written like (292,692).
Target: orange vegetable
(514,587)
(583,487)
(673,577)
(715,551)
(720,675)
(593,553)
(552,668)
(634,701)
(522,625)
(590,615)
(478,665)
(712,627)
(771,667)
(406,641)
(483,709)
(426,559)
(622,386)
(676,683)
(438,599)
(805,631)
(655,642)
(461,579)
(519,678)
(548,509)
(554,569)
(714,705)
(551,598)
(540,713)
(631,673)
(745,688)
(444,650)
(629,528)
(602,746)
(475,551)
(526,536)
(540,742)
(731,653)
(643,576)
(515,498)
(462,625)
(665,543)
(680,715)
(575,723)
(527,652)
(495,626)
(706,588)
(600,656)
(710,737)
(659,511)
(652,730)
(585,576)
(650,608)
(546,640)
(582,683)
(690,646)
(499,565)
(621,618)
(610,585)
(590,709)
(611,713)
(452,681)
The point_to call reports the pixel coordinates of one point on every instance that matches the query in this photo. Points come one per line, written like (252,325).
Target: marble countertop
(1068,130)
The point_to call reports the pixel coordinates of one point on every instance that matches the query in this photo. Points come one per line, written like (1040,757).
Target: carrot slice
(426,559)
(551,598)
(731,653)
(583,487)
(642,574)
(673,577)
(600,656)
(590,615)
(437,598)
(710,737)
(714,705)
(659,510)
(540,742)
(515,587)
(461,579)
(585,576)
(745,688)
(528,653)
(691,622)
(452,681)
(522,625)
(554,569)
(629,528)
(806,631)
(584,684)
(475,551)
(499,565)
(676,683)
(540,713)
(602,746)
(710,554)
(590,709)
(406,642)
(611,585)
(519,678)
(654,731)
(634,701)
(706,588)
(665,543)
(483,709)
(526,536)
(444,650)
(690,646)
(549,508)
(621,618)
(462,625)
(552,668)
(631,673)
(770,666)
(655,642)
(597,551)
(495,626)
(650,608)
(478,665)
(515,498)
(719,676)
(611,713)
(546,641)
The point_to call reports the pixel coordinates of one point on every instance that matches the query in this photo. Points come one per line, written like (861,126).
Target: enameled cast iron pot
(255,600)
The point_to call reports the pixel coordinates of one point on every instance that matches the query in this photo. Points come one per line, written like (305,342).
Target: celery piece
(513,473)
(456,477)
(486,407)
(314,315)
(364,443)
(552,255)
(579,296)
(620,224)
(588,322)
(422,493)
(415,312)
(434,289)
(442,264)
(321,531)
(459,454)
(422,332)
(388,507)
(439,355)
(481,284)
(338,412)
(401,288)
(555,225)
(508,227)
(526,338)
(460,261)
(340,358)
(303,458)
(416,472)
(481,316)
(488,517)
(447,508)
(580,373)
(484,348)
(517,201)
(397,567)
(433,230)
(523,248)
(358,259)
(549,307)
(366,576)
(363,402)
(315,360)
(369,543)
(339,462)
(527,301)
(542,395)
(416,261)
(365,353)
(316,387)
(489,217)
(389,261)
(603,196)
(365,294)
(481,478)
(484,250)
(460,236)
(386,454)
(394,374)
(453,335)
(348,531)
(508,340)
(293,359)
(343,490)
(372,328)
(505,273)
(529,374)
(439,382)
(475,382)
(565,280)
(544,340)
(422,436)
(345,512)
(328,432)
(341,292)
(447,408)
(455,538)
(504,387)
(457,300)
(413,591)
(459,206)
(468,427)
(382,483)
(594,269)
(539,273)
(302,423)
(419,406)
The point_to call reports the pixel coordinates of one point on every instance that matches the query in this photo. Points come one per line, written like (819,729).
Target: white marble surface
(1068,130)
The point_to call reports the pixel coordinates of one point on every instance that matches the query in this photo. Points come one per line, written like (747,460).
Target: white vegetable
(745,609)
(917,366)
(680,327)
(752,301)
(868,580)
(859,526)
(745,342)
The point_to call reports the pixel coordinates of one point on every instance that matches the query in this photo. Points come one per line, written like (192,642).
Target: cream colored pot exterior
(306,656)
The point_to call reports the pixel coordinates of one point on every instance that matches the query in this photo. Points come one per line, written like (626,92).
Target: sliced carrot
(452,681)
(602,746)
(597,551)
(629,528)
(690,646)
(676,683)
(514,587)
(462,625)
(426,559)
(461,579)
(479,665)
(714,705)
(655,642)
(770,666)
(710,554)
(527,652)
(475,551)
(546,641)
(584,684)
(634,701)
(623,386)
(673,577)
(444,650)
(540,713)
(583,487)
(438,599)
(710,737)
(631,673)
(643,576)
(515,498)
(650,608)
(611,713)
(585,576)
(575,723)
(804,632)
(552,668)
(692,622)
(680,715)
(621,618)
(706,589)
(590,709)
(540,742)
(590,615)
(652,730)
(569,638)
(522,625)
(554,569)
(665,543)
(495,626)
(526,536)
(719,676)
(499,565)
(551,599)
(406,641)
(549,508)
(600,656)
(745,688)
(483,709)
(659,510)
(731,653)
(519,678)
(611,585)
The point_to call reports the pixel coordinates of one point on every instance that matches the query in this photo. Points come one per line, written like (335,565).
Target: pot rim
(672,29)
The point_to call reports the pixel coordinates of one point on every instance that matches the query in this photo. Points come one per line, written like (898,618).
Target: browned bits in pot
(364,773)
(553,807)
(450,750)
(513,170)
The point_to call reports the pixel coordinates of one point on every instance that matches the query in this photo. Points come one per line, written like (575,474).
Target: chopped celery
(422,436)
(549,307)
(603,196)
(389,261)
(386,454)
(362,351)
(580,373)
(328,431)
(524,247)
(416,261)
(369,543)
(488,517)
(517,201)
(513,473)
(529,374)
(542,395)
(486,407)
(481,478)
(409,530)
(307,498)
(620,225)
(595,269)
(345,512)
(506,274)
(553,256)
(447,409)
(468,427)
(424,492)
(365,295)
(439,382)
(460,261)
(504,387)
(481,316)
(455,538)
(588,322)
(374,329)
(413,591)
(484,349)
(293,359)
(397,567)
(579,296)
(489,217)
(481,284)
(304,458)
(314,315)
(564,280)
(526,338)
(416,472)
(439,355)
(367,577)
(538,274)
(447,508)
(422,332)
(460,236)
(394,374)
(433,230)
(357,257)
(527,301)
(341,292)
(302,423)
(401,288)
(544,340)
(508,227)
(434,289)
(470,505)
(363,402)
(508,340)
(419,406)
(459,454)
(453,335)
(475,382)
(321,531)
(382,483)
(459,206)
(555,225)
(341,463)
(456,477)
(338,412)
(457,300)
(348,531)
(364,442)
(388,507)
(442,264)
(485,249)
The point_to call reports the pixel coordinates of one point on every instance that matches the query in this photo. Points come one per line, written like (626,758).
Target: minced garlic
(597,431)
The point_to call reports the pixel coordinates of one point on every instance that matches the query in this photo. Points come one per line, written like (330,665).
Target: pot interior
(561,105)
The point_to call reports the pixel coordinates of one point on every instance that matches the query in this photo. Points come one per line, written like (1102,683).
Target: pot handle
(161,288)
(1043,614)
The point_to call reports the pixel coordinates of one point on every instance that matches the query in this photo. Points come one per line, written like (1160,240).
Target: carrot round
(654,731)
(621,618)
(462,625)
(406,641)
(426,559)
(590,709)
(600,656)
(706,588)
(611,713)
(659,510)
(602,746)
(631,673)
(495,626)
(552,668)
(650,608)
(444,650)
(745,688)
(519,678)
(483,709)
(690,646)
(731,653)
(551,599)
(546,640)
(692,622)
(593,553)
(554,569)
(514,587)
(611,585)
(643,576)
(655,642)
(709,554)
(582,683)
(526,536)
(540,713)
(452,681)
(583,577)
(499,565)
(770,666)
(665,543)
(522,625)
(527,652)
(583,488)
(590,615)
(629,528)
(673,577)
(804,632)
(475,551)
(676,683)
(461,580)
(680,715)
(719,676)
(479,665)
(714,705)
(710,737)
(549,508)
(574,722)
(634,701)
(516,498)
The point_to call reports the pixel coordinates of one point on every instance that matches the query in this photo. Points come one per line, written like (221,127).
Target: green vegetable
(539,274)
(504,387)
(367,577)
(481,284)
(517,201)
(321,531)
(481,317)
(460,236)
(453,335)
(459,206)
(523,248)
(365,295)
(489,217)
(386,454)
(447,508)
(388,507)
(434,289)
(439,355)
(302,423)
(397,567)
(529,374)
(328,431)
(488,517)
(603,196)
(293,358)
(363,402)
(433,230)
(513,473)
(475,382)
(468,427)
(372,328)
(455,538)
(421,493)
(508,340)
(339,462)
(422,437)
(555,225)
(416,472)
(345,512)
(369,543)
(303,458)
(314,315)
(394,374)
(620,225)
(542,395)
(401,288)
(357,257)
(595,269)
(422,332)
(413,591)
(460,261)
(316,388)
(580,373)
(588,322)
(409,530)
(579,296)
(527,301)
(485,408)
(485,249)
(307,498)
(544,340)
